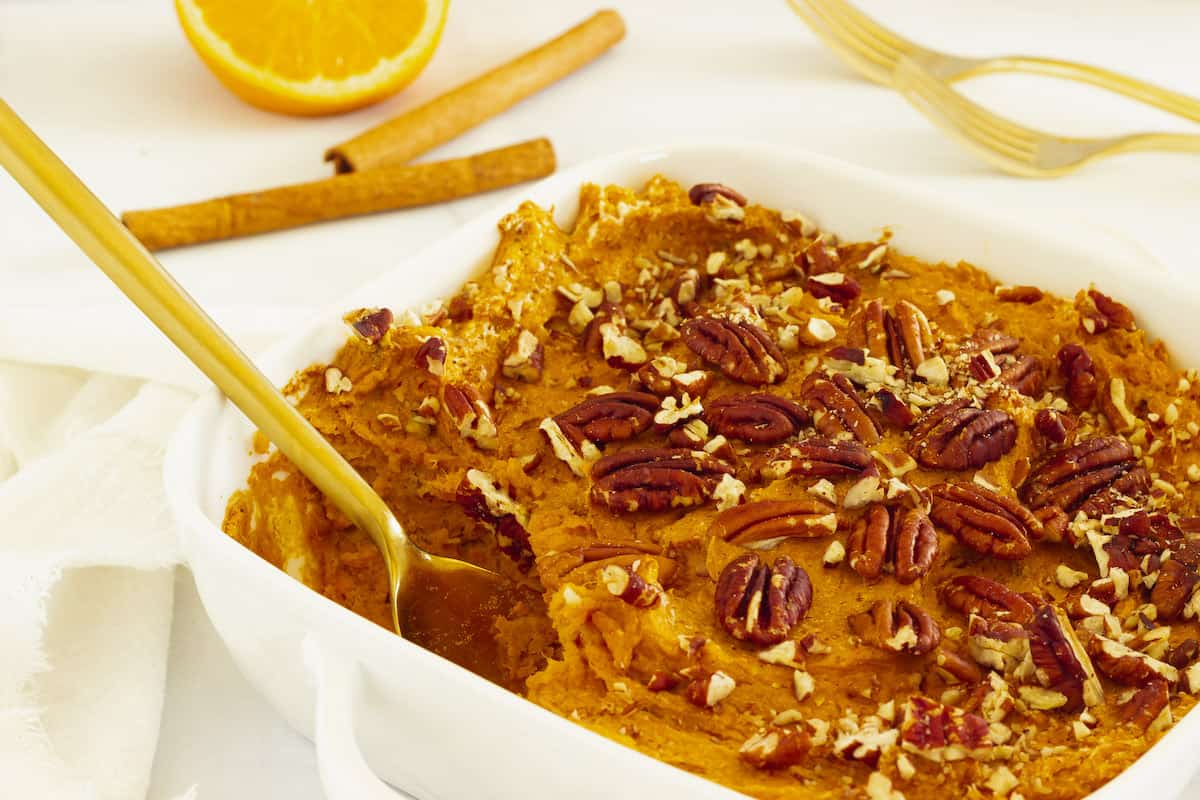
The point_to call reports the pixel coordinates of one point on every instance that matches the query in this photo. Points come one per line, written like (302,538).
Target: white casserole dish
(434,729)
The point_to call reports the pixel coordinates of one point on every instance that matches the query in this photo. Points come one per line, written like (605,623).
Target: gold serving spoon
(442,604)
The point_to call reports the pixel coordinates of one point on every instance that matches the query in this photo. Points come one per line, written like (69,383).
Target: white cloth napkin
(86,583)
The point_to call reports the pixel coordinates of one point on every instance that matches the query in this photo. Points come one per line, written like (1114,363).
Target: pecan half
(836,408)
(900,538)
(990,339)
(610,417)
(1128,666)
(1062,665)
(471,415)
(485,501)
(867,329)
(1173,589)
(983,520)
(897,626)
(764,524)
(910,340)
(975,594)
(818,457)
(742,351)
(1146,705)
(1090,477)
(703,193)
(776,748)
(371,323)
(758,418)
(957,435)
(930,726)
(762,604)
(1025,374)
(1076,366)
(655,479)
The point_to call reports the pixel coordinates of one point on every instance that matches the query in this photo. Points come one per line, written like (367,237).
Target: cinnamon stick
(441,119)
(341,196)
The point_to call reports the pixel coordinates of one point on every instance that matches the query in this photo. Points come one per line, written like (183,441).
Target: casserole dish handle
(344,772)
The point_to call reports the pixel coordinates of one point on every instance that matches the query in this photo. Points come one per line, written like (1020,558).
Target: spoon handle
(152,289)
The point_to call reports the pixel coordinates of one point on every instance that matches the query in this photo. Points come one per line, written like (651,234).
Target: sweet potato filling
(804,516)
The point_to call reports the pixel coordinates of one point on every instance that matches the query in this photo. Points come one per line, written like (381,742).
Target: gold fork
(874,51)
(1013,147)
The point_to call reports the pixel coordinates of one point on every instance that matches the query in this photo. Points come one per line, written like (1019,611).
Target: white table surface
(113,87)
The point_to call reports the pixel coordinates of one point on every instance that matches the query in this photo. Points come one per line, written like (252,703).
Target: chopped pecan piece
(626,584)
(838,287)
(894,410)
(776,748)
(758,418)
(975,594)
(836,408)
(742,351)
(929,727)
(471,415)
(900,538)
(957,435)
(897,626)
(709,689)
(956,669)
(611,417)
(655,479)
(1089,477)
(989,339)
(1025,374)
(997,644)
(1099,312)
(483,500)
(1054,426)
(524,358)
(764,524)
(1174,587)
(1128,666)
(1184,654)
(1018,294)
(1062,664)
(1147,706)
(983,520)
(818,457)
(762,604)
(371,323)
(1076,366)
(703,193)
(431,356)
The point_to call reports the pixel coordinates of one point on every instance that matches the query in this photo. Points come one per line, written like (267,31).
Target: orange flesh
(587,655)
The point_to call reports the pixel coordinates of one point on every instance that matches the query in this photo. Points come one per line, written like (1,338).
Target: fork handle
(1170,101)
(1169,142)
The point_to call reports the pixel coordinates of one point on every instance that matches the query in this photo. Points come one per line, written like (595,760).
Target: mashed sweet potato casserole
(809,518)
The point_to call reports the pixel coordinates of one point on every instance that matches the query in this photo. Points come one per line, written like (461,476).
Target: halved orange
(313,56)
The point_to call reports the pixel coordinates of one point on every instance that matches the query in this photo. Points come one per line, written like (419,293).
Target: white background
(114,88)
